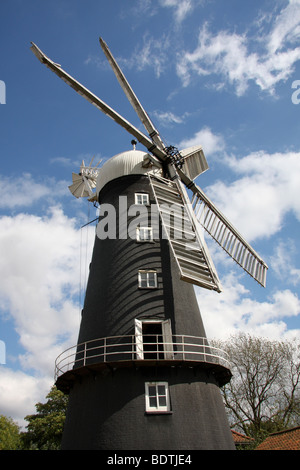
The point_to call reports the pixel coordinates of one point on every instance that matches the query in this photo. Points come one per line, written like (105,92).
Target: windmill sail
(79,188)
(194,162)
(93,99)
(85,181)
(152,131)
(189,248)
(224,233)
(194,158)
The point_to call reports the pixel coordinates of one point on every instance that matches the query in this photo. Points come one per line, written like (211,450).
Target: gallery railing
(139,348)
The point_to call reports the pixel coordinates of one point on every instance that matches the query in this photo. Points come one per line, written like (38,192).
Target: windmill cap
(131,162)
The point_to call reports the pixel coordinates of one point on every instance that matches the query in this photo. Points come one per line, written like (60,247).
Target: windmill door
(153,339)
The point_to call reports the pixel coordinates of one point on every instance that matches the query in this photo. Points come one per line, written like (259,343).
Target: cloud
(228,55)
(234,310)
(63,161)
(167,118)
(140,10)
(28,190)
(262,194)
(43,268)
(179,8)
(211,142)
(283,261)
(19,392)
(40,278)
(153,53)
(75,165)
(182,8)
(286,27)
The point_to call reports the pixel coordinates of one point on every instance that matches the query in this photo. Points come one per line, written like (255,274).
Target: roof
(241,438)
(131,162)
(283,440)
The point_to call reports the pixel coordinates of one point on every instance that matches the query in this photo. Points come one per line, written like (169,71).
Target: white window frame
(152,402)
(141,199)
(144,276)
(142,231)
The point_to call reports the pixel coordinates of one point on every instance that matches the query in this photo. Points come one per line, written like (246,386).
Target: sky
(221,74)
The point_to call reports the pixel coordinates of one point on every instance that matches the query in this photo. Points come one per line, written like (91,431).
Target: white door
(167,338)
(139,339)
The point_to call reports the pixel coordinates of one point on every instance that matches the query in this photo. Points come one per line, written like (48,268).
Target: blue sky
(210,72)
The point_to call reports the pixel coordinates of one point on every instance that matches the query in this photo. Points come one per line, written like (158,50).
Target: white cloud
(19,394)
(283,261)
(228,55)
(40,277)
(140,9)
(286,27)
(153,53)
(263,194)
(168,118)
(42,265)
(234,310)
(181,8)
(40,273)
(210,142)
(24,190)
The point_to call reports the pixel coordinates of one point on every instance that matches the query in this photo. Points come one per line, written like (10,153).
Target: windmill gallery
(143,374)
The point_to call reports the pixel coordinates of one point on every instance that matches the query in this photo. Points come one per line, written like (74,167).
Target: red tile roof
(240,438)
(283,440)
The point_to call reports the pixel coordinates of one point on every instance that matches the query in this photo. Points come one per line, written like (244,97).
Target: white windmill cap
(131,162)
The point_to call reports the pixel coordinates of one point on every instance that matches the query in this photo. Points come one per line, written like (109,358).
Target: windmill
(167,175)
(183,167)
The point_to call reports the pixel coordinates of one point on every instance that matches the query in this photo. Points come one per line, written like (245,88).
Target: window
(147,279)
(141,198)
(144,234)
(157,397)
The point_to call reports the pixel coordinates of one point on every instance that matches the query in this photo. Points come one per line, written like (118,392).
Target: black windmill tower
(143,374)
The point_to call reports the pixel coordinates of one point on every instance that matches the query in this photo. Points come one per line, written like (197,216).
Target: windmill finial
(133,142)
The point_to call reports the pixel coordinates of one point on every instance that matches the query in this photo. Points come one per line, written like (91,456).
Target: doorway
(153,339)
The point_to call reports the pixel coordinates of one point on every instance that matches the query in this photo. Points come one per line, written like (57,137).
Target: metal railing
(139,348)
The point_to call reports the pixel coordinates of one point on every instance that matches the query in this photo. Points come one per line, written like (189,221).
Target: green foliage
(44,429)
(9,434)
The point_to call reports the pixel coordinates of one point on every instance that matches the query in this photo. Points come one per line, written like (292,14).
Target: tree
(45,428)
(263,394)
(9,434)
